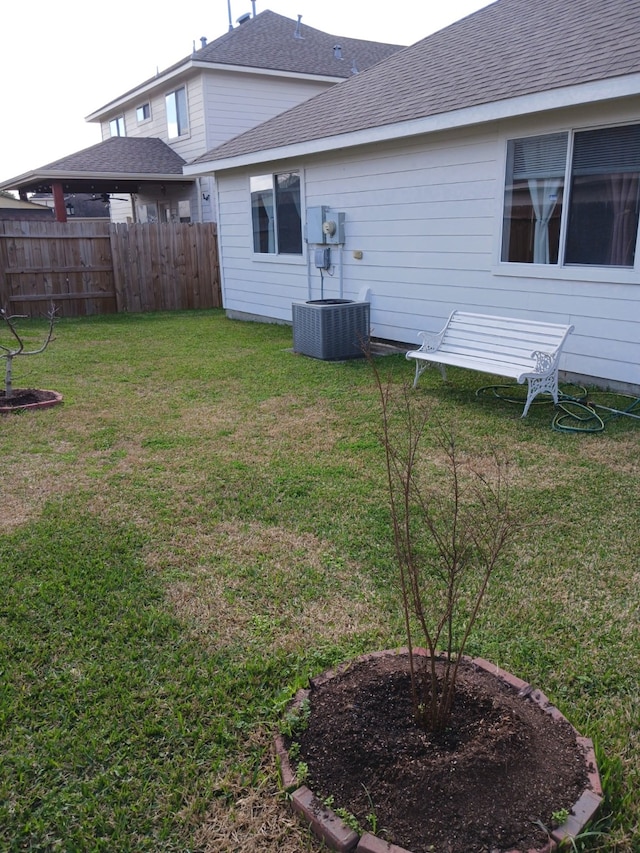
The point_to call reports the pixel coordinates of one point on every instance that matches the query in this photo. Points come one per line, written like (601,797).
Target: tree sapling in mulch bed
(15,346)
(427,749)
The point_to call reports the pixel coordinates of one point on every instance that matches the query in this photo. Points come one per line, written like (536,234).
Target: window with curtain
(593,220)
(276,214)
(177,117)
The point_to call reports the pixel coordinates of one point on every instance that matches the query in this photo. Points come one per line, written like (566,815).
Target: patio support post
(58,202)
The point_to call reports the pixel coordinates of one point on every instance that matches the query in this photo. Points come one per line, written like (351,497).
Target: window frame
(119,123)
(573,270)
(277,255)
(145,107)
(184,210)
(182,131)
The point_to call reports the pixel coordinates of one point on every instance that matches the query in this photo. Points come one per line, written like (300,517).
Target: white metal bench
(503,346)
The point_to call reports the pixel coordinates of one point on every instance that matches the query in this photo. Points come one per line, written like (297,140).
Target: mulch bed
(26,397)
(488,783)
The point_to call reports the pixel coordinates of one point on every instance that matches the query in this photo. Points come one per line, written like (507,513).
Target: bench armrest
(431,342)
(545,361)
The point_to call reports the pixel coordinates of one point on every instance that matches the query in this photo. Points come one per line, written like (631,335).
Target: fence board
(100,267)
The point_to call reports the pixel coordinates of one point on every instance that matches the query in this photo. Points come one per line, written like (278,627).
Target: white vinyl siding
(221,104)
(236,102)
(426,215)
(157,124)
(262,288)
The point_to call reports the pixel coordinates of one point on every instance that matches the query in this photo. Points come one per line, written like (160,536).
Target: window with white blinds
(573,198)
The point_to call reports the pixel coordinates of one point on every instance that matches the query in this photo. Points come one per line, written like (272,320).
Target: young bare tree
(17,344)
(451,525)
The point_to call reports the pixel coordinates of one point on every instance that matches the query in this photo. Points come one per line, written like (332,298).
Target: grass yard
(203,525)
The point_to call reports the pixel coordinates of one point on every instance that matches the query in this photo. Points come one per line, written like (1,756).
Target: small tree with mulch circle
(17,344)
(451,525)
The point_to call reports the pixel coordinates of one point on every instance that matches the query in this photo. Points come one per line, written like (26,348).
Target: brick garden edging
(43,404)
(335,833)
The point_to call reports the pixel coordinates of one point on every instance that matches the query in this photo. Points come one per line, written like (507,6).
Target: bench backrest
(511,338)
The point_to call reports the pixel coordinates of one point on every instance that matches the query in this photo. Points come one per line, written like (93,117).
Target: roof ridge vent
(298,34)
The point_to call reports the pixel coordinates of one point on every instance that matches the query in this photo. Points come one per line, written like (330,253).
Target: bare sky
(62,59)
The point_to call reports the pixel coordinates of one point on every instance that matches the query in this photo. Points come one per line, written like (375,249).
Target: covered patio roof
(119,164)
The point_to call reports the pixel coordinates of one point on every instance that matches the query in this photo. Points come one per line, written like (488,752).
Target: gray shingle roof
(122,155)
(509,48)
(18,204)
(268,41)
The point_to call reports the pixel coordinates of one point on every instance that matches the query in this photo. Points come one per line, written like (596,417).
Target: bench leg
(530,397)
(421,366)
(541,385)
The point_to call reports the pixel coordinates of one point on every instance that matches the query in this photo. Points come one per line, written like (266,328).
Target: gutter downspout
(218,230)
(199,189)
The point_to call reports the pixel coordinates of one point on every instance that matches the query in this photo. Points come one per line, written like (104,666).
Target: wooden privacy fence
(98,267)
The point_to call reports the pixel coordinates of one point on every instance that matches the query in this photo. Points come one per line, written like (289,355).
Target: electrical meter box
(325,226)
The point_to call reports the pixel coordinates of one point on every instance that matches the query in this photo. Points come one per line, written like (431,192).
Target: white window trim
(187,133)
(119,119)
(144,120)
(281,259)
(610,275)
(560,271)
(272,257)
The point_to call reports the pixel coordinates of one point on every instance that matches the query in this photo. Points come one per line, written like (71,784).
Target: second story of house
(260,68)
(255,71)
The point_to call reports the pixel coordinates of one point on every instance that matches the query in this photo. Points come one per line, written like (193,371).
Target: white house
(260,68)
(493,166)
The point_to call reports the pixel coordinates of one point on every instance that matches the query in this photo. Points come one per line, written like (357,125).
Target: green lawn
(203,525)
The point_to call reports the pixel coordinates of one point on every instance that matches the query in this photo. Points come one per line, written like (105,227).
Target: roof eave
(138,91)
(39,176)
(568,96)
(268,72)
(199,64)
(19,180)
(164,177)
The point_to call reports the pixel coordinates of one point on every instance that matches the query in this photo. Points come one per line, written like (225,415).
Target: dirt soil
(25,396)
(482,786)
